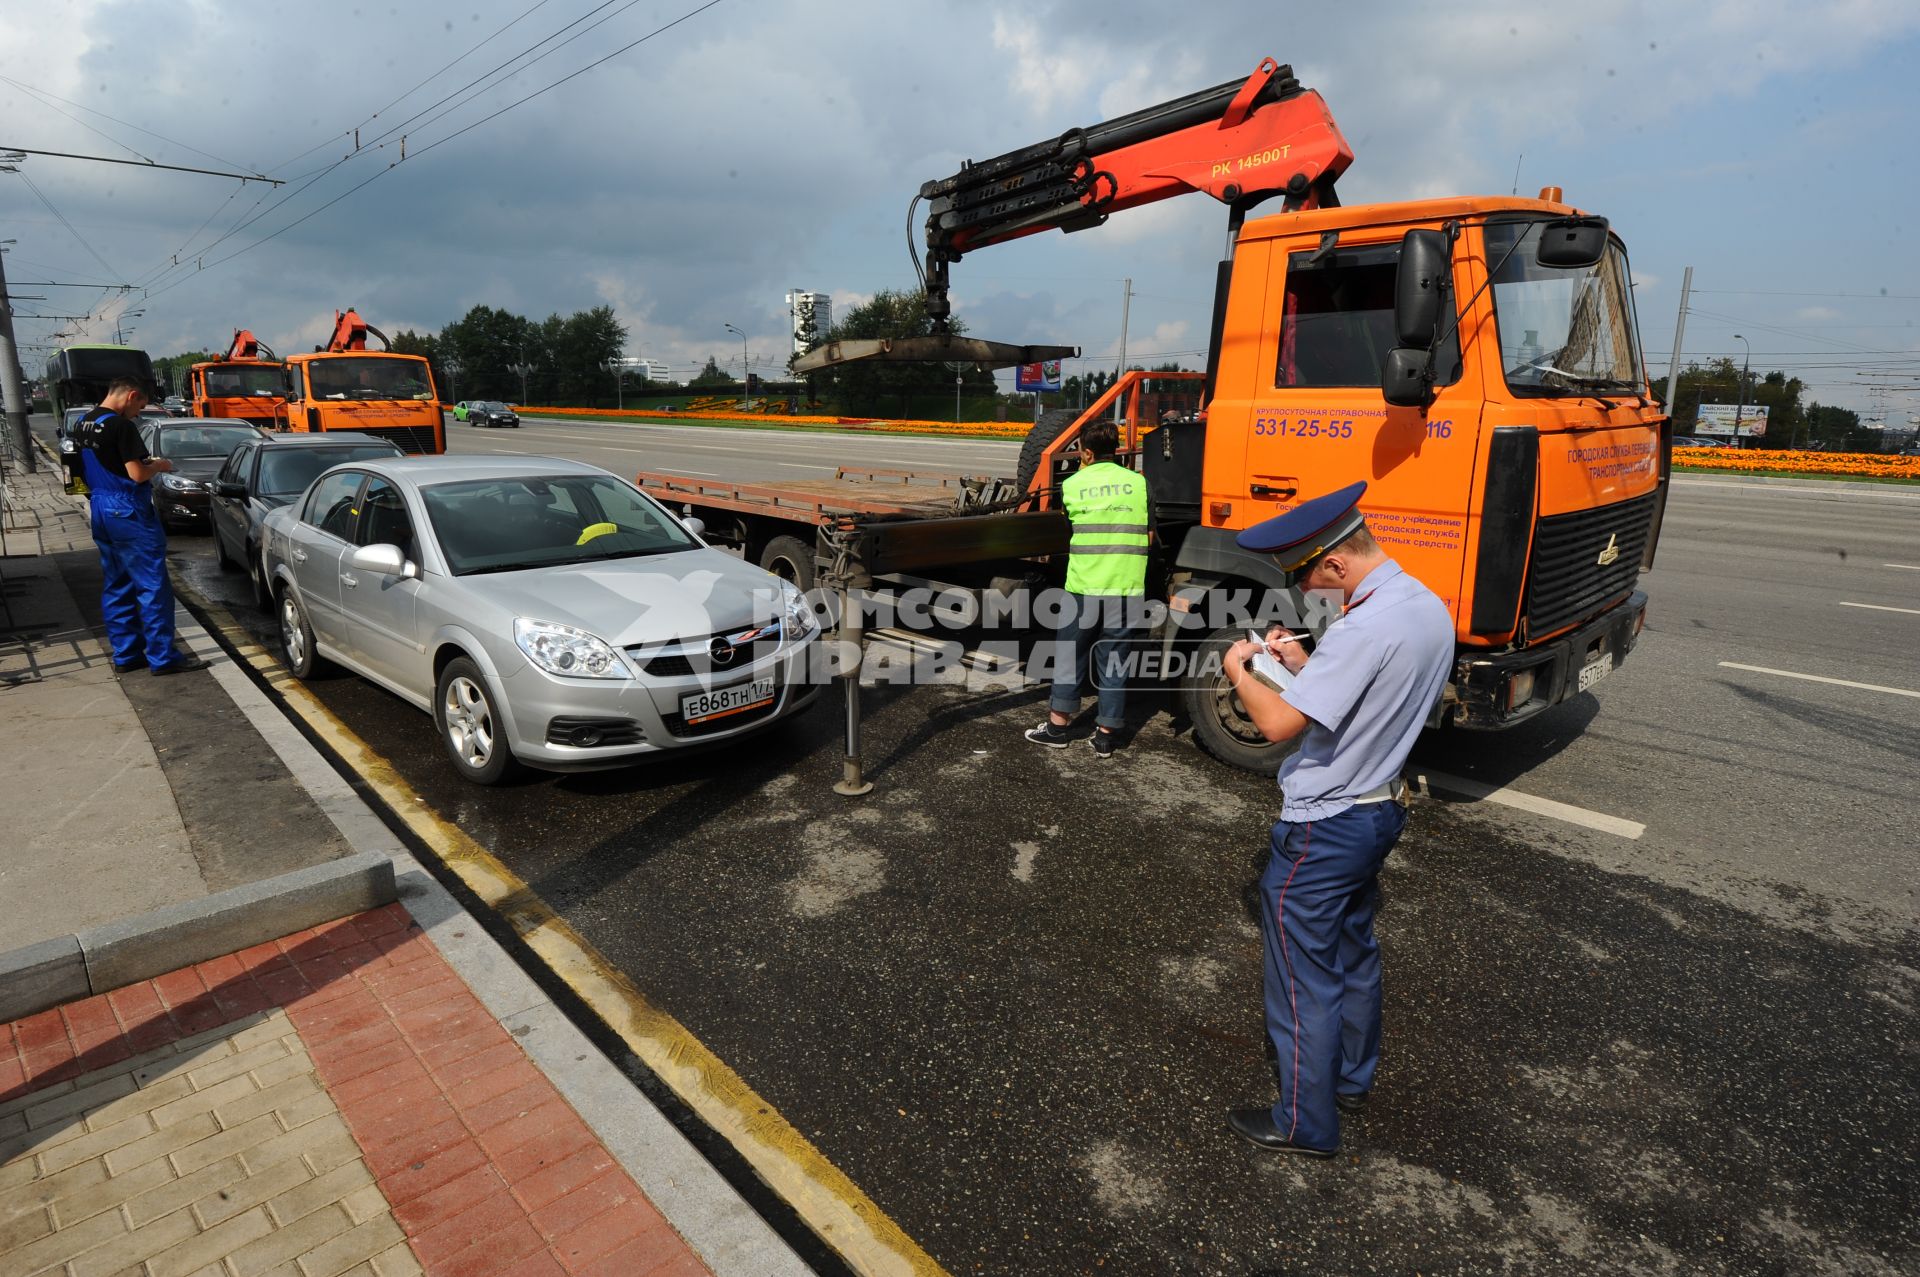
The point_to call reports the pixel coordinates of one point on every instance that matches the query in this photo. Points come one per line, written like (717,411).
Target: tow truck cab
(374,392)
(1524,485)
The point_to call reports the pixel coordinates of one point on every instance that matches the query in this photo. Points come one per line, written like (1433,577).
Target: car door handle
(299,556)
(349,580)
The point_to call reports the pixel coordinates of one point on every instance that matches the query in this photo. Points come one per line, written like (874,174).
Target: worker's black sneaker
(1051,735)
(1104,743)
(180,665)
(129,667)
(1351,1103)
(1255,1126)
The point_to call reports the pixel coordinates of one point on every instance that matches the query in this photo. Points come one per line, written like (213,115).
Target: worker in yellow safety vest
(1106,590)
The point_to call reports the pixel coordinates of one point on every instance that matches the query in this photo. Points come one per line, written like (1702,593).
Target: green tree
(876,388)
(486,343)
(171,372)
(712,375)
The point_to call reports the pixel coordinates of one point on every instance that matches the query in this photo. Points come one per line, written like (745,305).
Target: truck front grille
(414,439)
(1566,580)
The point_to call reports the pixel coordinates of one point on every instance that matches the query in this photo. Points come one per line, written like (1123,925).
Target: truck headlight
(563,650)
(1521,689)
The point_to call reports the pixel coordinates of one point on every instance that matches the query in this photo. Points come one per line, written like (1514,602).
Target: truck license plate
(721,701)
(1591,674)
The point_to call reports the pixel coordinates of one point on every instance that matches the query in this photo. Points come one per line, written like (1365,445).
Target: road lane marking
(1881,607)
(1480,791)
(819,1192)
(1906,567)
(1818,678)
(1849,491)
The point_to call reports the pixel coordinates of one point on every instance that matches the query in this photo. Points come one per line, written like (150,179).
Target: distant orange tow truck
(377,392)
(247,383)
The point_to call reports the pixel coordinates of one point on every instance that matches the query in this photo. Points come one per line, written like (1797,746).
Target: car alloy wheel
(296,636)
(470,728)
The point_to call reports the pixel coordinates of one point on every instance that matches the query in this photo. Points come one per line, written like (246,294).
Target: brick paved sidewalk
(337,1101)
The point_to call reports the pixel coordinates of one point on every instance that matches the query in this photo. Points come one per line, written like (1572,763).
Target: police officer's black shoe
(1350,1103)
(180,665)
(1255,1126)
(1052,735)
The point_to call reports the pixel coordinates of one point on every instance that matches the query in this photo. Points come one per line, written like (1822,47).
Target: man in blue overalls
(1357,704)
(136,598)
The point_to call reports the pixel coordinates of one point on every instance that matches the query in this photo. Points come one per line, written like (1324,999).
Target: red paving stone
(488,1170)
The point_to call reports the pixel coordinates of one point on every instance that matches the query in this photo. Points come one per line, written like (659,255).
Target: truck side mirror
(1577,242)
(1419,286)
(1406,377)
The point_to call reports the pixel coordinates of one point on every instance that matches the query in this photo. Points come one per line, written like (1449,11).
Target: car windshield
(184,442)
(346,377)
(506,525)
(244,380)
(488,405)
(1563,330)
(286,471)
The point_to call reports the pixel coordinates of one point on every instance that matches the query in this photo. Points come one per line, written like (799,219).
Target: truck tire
(1220,723)
(790,559)
(1049,427)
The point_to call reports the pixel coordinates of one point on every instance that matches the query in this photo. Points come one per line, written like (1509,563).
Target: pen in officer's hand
(1284,638)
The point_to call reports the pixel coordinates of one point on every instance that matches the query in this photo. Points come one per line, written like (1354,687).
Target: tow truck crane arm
(1241,142)
(350,333)
(246,346)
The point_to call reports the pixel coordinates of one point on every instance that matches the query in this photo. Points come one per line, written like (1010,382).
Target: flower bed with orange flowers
(1852,465)
(734,416)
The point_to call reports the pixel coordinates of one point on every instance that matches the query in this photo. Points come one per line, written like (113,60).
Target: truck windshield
(369,378)
(240,380)
(1563,330)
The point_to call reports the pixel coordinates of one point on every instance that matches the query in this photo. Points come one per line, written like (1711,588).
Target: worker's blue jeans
(1095,634)
(136,598)
(1320,891)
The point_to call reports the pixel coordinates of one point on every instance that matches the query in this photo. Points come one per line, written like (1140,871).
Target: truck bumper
(1499,690)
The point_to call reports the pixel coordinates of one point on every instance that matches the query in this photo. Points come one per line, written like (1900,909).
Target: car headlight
(176,483)
(563,650)
(797,618)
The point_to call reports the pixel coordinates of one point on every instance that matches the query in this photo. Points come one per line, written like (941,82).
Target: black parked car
(197,448)
(271,471)
(488,412)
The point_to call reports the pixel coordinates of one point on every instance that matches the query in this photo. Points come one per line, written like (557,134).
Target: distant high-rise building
(812,316)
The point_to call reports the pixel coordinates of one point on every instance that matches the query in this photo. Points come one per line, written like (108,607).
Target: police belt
(1394,791)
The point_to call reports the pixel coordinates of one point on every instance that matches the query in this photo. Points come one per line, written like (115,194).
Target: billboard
(1040,376)
(1716,419)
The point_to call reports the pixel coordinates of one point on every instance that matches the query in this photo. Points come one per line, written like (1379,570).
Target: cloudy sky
(750,147)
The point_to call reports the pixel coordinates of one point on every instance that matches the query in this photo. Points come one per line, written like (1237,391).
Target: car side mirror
(1577,242)
(228,488)
(1406,377)
(387,560)
(693,524)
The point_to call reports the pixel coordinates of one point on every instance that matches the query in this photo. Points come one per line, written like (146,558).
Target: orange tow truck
(1476,360)
(247,383)
(345,386)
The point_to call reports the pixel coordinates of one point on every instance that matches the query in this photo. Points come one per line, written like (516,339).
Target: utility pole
(523,368)
(1740,395)
(1120,368)
(746,399)
(1679,332)
(13,390)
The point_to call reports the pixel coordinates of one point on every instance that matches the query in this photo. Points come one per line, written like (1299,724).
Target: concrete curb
(98,959)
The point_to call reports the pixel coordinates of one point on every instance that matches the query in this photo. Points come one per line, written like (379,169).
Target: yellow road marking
(819,1192)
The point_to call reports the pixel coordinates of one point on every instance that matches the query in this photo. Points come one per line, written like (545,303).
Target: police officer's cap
(1309,530)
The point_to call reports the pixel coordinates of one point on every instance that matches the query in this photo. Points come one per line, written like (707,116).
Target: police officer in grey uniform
(1356,704)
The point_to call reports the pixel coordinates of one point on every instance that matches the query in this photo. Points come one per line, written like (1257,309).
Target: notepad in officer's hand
(1267,667)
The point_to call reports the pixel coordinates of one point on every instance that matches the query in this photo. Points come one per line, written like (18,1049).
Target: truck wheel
(1048,428)
(790,559)
(1220,722)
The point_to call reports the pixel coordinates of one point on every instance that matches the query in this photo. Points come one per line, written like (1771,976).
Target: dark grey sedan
(264,474)
(198,449)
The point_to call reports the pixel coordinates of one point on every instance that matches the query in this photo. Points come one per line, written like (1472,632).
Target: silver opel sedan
(543,611)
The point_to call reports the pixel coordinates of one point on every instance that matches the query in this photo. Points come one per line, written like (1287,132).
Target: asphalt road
(1013,993)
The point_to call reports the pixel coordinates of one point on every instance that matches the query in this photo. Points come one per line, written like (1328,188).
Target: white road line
(1816,678)
(1905,567)
(1881,607)
(1483,792)
(1848,491)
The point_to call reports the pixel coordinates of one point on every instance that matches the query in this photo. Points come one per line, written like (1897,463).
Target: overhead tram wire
(498,32)
(42,93)
(379,142)
(62,218)
(377,175)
